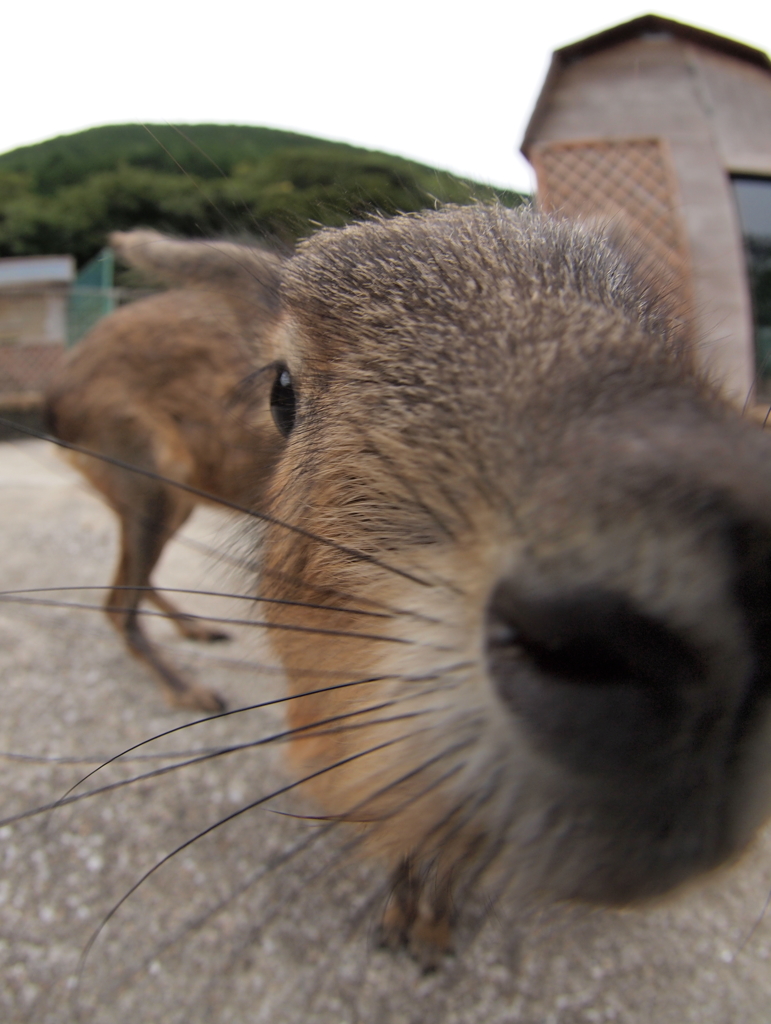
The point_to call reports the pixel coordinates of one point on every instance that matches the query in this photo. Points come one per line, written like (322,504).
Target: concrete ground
(263,919)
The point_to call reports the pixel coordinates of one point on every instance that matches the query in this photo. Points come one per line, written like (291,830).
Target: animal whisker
(224,821)
(428,677)
(230,621)
(271,865)
(296,733)
(285,856)
(100,760)
(187,174)
(224,502)
(195,590)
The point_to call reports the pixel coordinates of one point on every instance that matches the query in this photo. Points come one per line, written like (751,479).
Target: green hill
(200,148)
(66,194)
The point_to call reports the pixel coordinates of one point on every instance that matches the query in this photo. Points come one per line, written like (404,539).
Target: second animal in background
(159,385)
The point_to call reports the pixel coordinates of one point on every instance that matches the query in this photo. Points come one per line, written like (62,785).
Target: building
(45,307)
(34,296)
(665,130)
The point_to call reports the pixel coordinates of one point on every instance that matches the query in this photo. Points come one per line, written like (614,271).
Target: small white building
(34,295)
(665,129)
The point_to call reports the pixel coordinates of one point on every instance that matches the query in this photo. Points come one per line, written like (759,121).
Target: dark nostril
(589,636)
(596,681)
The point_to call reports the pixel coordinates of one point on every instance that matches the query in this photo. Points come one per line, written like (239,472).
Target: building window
(753,197)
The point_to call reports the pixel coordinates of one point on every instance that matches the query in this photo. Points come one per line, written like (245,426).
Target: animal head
(520,557)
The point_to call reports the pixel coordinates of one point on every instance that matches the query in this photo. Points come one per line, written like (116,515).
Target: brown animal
(526,551)
(159,385)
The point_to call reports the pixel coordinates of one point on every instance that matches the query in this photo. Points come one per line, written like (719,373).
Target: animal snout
(652,707)
(665,653)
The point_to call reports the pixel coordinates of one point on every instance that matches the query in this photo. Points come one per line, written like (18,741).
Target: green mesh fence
(92,295)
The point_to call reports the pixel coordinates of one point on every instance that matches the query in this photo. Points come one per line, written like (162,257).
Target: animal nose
(595,681)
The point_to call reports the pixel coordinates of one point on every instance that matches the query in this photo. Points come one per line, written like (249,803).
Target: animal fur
(531,546)
(159,385)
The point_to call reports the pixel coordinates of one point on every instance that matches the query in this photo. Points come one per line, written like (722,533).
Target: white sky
(451,84)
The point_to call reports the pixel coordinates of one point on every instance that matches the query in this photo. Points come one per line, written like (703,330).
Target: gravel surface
(264,919)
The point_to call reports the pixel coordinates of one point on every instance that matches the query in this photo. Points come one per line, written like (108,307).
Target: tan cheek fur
(417,736)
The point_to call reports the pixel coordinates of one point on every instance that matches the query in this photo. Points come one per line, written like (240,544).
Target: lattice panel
(625,182)
(25,368)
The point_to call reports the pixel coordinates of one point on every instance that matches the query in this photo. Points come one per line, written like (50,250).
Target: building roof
(18,271)
(647,24)
(654,23)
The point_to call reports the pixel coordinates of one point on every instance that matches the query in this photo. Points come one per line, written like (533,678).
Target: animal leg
(146,524)
(187,626)
(418,916)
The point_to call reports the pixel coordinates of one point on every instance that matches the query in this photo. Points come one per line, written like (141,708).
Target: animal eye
(283,404)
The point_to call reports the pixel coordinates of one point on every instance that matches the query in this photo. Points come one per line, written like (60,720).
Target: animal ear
(224,266)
